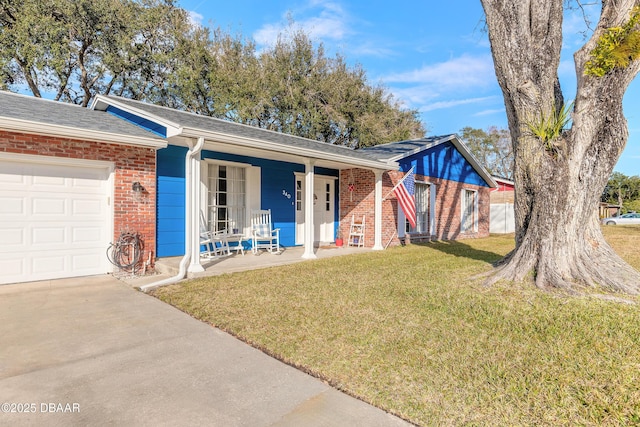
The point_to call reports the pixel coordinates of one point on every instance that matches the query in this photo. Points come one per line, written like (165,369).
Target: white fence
(502,218)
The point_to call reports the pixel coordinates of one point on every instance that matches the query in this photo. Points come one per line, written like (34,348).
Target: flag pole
(396,186)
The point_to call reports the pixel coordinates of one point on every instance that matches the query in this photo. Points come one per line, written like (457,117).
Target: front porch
(233,263)
(213,174)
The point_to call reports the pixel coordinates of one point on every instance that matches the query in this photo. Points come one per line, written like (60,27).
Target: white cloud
(373,50)
(489,112)
(330,22)
(195,18)
(325,27)
(268,34)
(465,77)
(458,73)
(415,95)
(454,103)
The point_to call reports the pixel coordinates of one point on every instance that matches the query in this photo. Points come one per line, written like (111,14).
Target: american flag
(404,191)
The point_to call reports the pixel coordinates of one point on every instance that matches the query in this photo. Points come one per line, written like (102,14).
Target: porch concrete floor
(237,262)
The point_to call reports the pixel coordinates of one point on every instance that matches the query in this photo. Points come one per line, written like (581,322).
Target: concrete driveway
(93,351)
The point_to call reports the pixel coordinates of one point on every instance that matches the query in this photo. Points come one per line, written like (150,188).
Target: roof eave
(101,103)
(29,126)
(286,149)
(503,180)
(176,130)
(422,148)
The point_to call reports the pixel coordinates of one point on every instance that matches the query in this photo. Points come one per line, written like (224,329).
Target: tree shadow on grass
(463,250)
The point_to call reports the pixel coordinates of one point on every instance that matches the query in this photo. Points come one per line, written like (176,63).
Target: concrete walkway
(237,262)
(109,355)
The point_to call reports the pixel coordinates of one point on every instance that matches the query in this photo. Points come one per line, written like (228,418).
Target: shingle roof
(48,112)
(398,150)
(185,119)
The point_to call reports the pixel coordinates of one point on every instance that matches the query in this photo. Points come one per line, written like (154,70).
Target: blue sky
(432,55)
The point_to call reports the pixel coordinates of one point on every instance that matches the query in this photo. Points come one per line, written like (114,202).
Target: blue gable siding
(139,121)
(277,193)
(445,162)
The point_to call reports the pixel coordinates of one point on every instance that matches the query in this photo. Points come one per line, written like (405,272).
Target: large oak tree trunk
(559,242)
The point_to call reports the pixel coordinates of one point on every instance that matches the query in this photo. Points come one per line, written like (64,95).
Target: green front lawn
(407,330)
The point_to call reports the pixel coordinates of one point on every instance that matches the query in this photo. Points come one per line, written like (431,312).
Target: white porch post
(194,195)
(432,209)
(308,210)
(377,226)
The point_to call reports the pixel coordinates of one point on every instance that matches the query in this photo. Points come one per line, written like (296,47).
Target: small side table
(235,242)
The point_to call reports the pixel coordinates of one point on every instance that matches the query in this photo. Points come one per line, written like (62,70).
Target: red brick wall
(357,187)
(449,209)
(357,198)
(132,211)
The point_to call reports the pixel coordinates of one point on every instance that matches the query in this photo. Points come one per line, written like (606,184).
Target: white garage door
(55,220)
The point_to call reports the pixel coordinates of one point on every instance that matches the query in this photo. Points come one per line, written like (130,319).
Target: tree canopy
(149,50)
(623,190)
(492,147)
(77,49)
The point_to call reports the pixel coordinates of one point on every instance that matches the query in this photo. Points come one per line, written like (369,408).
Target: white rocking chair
(215,242)
(263,235)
